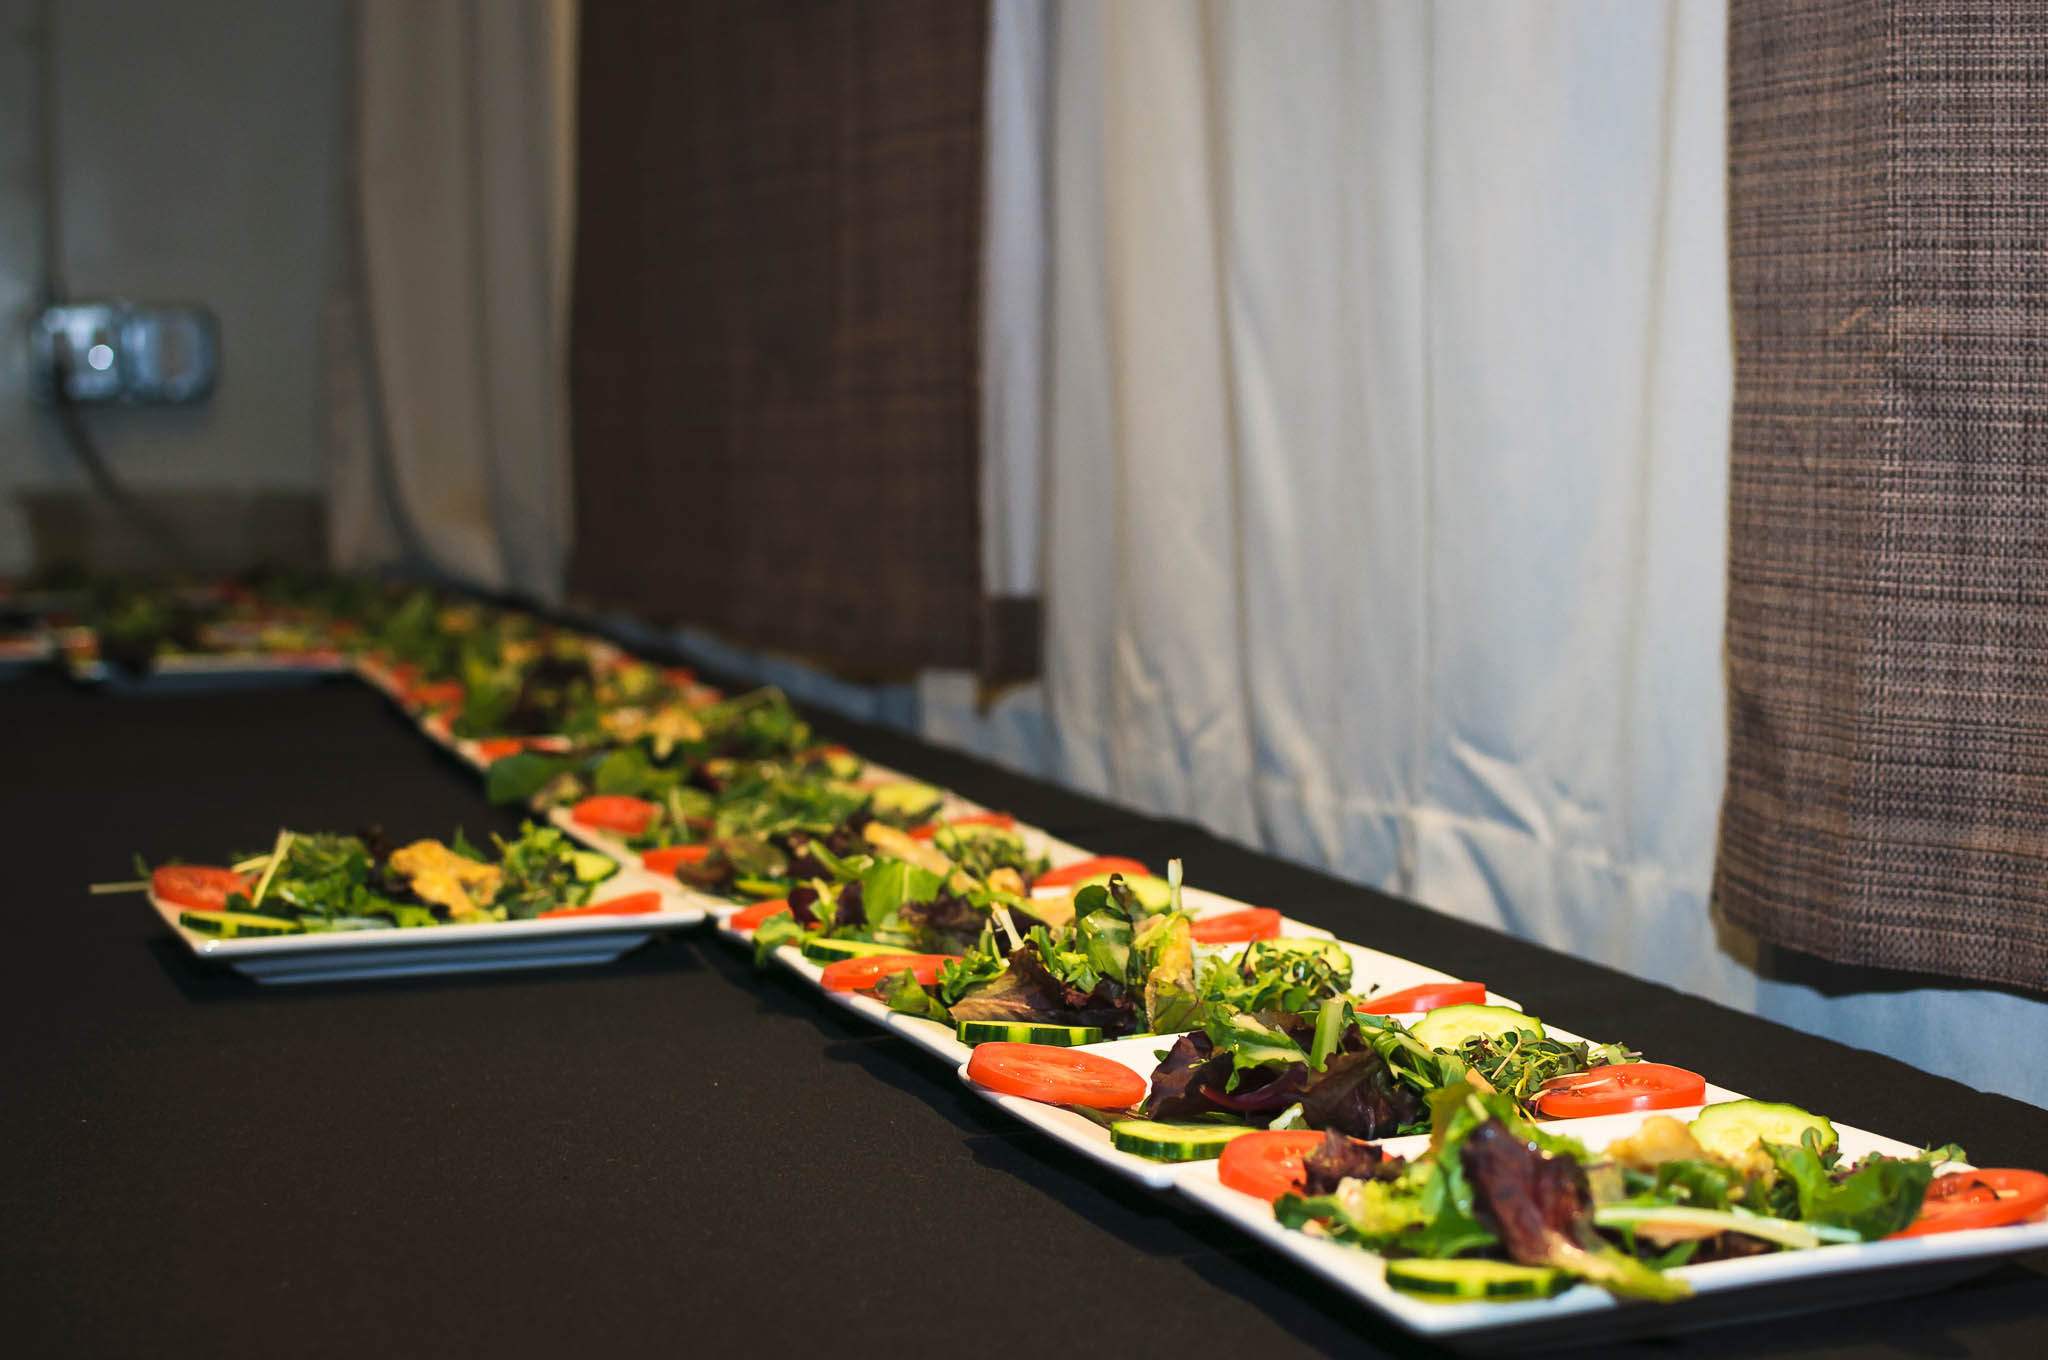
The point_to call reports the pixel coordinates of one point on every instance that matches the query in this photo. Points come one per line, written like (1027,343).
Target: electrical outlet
(119,352)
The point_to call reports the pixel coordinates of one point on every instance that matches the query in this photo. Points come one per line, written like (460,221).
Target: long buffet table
(674,1154)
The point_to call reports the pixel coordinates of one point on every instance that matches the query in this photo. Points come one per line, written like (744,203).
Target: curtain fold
(449,378)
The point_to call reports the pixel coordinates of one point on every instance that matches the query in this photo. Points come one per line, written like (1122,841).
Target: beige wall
(200,159)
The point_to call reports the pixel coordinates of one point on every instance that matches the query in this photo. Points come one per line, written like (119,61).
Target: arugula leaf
(1703,1182)
(1450,1224)
(778,930)
(981,850)
(1104,939)
(625,770)
(889,883)
(1252,1043)
(1164,949)
(1332,1021)
(1881,1196)
(517,778)
(1359,1095)
(540,873)
(978,965)
(902,992)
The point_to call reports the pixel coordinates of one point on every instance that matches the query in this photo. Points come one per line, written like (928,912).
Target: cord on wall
(62,360)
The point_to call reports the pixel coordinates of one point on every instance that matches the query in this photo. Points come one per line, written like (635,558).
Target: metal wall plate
(133,354)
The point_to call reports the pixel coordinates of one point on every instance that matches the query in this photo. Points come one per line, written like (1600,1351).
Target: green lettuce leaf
(1881,1196)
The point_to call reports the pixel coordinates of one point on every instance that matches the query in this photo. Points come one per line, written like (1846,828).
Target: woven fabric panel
(1887,797)
(776,359)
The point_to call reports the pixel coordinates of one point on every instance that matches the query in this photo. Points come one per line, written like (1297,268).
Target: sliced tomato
(867,971)
(1235,927)
(1426,996)
(439,694)
(1057,1076)
(632,904)
(493,749)
(1002,821)
(752,917)
(1986,1198)
(1266,1164)
(616,812)
(1620,1088)
(200,887)
(665,860)
(1089,868)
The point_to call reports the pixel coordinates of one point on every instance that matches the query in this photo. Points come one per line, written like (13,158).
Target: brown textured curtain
(1887,799)
(776,359)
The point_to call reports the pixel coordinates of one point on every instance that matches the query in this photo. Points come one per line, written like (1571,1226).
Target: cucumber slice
(1449,1026)
(1460,1281)
(1732,1128)
(1165,1141)
(908,801)
(592,867)
(1153,894)
(1024,1032)
(824,950)
(236,925)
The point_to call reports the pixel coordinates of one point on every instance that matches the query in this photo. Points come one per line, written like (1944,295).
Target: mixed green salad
(310,882)
(1271,1057)
(1498,1207)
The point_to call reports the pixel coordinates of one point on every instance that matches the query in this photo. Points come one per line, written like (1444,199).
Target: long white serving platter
(24,651)
(1141,1053)
(333,956)
(866,1007)
(1724,1291)
(1758,1286)
(212,670)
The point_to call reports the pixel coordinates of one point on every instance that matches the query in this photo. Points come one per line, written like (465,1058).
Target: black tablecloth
(672,1154)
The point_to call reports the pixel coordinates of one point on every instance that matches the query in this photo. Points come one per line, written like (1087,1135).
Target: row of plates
(1724,1291)
(1760,1286)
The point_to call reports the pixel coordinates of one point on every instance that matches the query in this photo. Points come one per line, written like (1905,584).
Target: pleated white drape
(1386,467)
(1388,443)
(450,380)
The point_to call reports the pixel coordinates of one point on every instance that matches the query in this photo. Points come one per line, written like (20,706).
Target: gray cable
(69,418)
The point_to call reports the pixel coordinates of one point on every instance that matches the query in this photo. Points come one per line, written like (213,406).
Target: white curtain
(450,384)
(1388,443)
(1385,460)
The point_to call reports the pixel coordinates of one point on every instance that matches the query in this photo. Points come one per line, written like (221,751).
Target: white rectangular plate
(1082,1134)
(867,1008)
(489,946)
(1369,966)
(470,749)
(941,1041)
(717,908)
(209,670)
(1140,1053)
(1725,1291)
(23,650)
